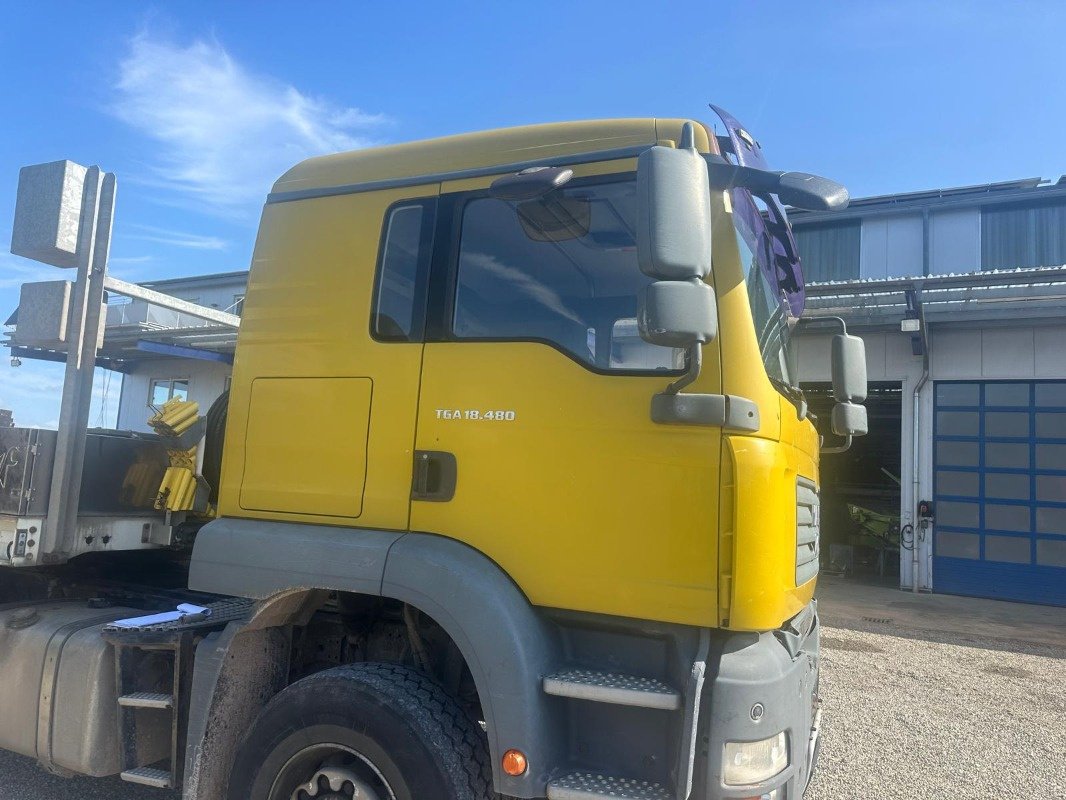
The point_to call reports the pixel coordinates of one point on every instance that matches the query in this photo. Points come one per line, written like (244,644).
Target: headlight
(746,763)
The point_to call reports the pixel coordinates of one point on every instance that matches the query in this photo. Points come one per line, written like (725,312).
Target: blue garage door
(1000,490)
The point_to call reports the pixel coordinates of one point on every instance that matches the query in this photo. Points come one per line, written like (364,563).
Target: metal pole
(93,323)
(59,497)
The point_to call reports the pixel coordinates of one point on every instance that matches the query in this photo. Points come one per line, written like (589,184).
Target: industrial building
(958,294)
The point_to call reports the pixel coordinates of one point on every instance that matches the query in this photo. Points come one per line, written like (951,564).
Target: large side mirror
(849,369)
(678,313)
(674,212)
(849,419)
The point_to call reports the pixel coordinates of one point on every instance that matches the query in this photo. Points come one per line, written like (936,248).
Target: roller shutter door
(1000,490)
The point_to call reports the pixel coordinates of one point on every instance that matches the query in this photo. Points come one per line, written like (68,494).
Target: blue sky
(198,106)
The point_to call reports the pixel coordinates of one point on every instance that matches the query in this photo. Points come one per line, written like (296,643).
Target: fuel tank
(58,693)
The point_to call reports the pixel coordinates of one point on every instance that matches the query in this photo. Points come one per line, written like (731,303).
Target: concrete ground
(927,697)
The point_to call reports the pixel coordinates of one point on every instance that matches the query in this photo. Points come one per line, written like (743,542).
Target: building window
(238,305)
(399,306)
(561,270)
(163,389)
(829,252)
(1023,236)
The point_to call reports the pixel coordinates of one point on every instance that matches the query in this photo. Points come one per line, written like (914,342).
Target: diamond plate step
(148,776)
(147,700)
(610,687)
(592,786)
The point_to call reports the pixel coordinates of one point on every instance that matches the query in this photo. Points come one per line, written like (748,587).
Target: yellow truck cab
(518,489)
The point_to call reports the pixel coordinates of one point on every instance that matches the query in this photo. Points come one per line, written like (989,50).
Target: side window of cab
(560,270)
(402,277)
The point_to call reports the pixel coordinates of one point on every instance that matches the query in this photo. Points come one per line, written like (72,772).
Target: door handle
(435,473)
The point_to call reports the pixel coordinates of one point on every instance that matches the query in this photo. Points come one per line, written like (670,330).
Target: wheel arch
(507,645)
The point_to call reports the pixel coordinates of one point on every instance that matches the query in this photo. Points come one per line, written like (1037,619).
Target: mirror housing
(674,212)
(799,189)
(677,313)
(849,369)
(849,419)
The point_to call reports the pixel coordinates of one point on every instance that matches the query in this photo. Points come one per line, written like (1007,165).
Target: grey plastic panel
(677,313)
(967,484)
(1007,423)
(1051,552)
(958,394)
(1007,518)
(958,514)
(257,559)
(507,644)
(958,545)
(849,369)
(1012,549)
(850,419)
(958,454)
(1051,394)
(783,678)
(958,423)
(1001,485)
(674,214)
(1051,520)
(1006,454)
(1005,394)
(727,411)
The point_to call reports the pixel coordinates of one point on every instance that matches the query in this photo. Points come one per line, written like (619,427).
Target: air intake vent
(807,530)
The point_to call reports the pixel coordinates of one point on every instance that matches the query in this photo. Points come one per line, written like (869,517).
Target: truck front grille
(807,530)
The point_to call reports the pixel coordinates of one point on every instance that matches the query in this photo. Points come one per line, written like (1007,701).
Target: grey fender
(508,646)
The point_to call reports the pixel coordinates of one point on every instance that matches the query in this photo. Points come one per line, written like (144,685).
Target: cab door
(534,433)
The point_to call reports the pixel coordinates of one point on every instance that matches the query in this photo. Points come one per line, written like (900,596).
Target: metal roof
(1018,294)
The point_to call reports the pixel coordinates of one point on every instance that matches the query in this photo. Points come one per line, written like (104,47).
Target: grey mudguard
(507,645)
(258,559)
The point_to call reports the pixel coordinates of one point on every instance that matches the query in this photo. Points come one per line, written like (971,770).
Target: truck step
(149,776)
(610,687)
(593,786)
(147,700)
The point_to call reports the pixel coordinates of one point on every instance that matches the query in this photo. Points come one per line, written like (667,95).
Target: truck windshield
(769,305)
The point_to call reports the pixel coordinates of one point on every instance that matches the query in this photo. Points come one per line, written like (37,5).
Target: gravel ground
(912,718)
(904,718)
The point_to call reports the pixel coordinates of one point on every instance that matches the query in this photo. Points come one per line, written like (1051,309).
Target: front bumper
(764,684)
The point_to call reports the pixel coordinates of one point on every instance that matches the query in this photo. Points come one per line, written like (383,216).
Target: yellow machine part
(177,491)
(175,417)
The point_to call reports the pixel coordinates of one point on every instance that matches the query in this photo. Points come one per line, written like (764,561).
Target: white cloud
(192,241)
(226,133)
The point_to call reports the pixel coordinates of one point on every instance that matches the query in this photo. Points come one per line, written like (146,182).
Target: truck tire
(368,732)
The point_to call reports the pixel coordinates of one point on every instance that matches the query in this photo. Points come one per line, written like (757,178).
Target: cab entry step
(147,700)
(610,687)
(593,786)
(149,776)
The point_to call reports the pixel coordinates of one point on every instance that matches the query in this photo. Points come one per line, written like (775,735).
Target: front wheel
(363,732)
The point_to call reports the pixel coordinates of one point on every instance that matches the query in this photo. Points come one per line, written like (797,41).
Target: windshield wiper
(793,394)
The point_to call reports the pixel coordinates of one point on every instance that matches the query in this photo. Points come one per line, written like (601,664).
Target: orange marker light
(514,763)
